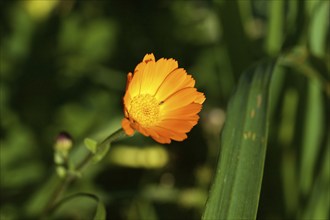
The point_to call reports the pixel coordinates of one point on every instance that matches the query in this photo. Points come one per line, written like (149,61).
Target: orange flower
(161,101)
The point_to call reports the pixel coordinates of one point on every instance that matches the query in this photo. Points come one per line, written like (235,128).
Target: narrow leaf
(319,29)
(236,187)
(313,133)
(100,213)
(101,152)
(91,145)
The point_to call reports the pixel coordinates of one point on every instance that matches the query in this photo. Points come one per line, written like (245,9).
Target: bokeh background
(63,68)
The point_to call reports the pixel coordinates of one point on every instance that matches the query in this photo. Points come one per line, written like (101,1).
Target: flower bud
(63,143)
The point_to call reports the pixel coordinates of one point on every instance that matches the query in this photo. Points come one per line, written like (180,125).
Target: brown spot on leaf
(252,113)
(259,100)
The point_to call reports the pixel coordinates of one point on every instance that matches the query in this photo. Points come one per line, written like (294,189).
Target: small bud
(61,171)
(59,158)
(63,142)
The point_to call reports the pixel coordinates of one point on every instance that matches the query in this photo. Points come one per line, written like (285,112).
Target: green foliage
(100,154)
(80,199)
(64,66)
(100,213)
(91,145)
(237,182)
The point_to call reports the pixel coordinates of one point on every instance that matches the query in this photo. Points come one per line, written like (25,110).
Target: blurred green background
(64,66)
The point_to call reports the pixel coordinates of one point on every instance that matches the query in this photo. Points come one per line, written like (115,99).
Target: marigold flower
(161,101)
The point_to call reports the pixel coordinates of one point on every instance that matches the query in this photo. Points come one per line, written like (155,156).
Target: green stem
(71,176)
(297,59)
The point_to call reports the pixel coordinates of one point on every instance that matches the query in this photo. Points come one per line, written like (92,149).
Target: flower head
(161,101)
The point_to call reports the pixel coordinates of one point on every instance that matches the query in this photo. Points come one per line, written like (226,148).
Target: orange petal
(179,137)
(127,102)
(135,85)
(140,129)
(162,140)
(171,84)
(150,132)
(127,97)
(189,82)
(200,98)
(129,79)
(188,110)
(140,67)
(163,132)
(154,74)
(179,99)
(178,126)
(148,57)
(182,117)
(169,133)
(125,123)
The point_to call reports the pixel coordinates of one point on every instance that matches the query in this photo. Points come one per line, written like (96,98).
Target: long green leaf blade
(236,187)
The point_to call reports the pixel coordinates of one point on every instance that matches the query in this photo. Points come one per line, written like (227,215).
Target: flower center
(145,110)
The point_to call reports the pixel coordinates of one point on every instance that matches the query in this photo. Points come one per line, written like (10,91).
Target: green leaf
(312,136)
(275,33)
(318,204)
(100,211)
(236,187)
(319,29)
(101,152)
(91,145)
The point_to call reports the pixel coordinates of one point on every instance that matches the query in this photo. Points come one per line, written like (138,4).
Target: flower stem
(71,176)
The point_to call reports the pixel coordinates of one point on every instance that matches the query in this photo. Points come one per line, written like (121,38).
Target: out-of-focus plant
(259,151)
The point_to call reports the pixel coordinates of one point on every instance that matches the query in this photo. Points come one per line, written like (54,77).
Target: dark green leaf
(236,187)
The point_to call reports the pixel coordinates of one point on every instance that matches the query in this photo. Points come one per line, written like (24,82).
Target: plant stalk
(71,176)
